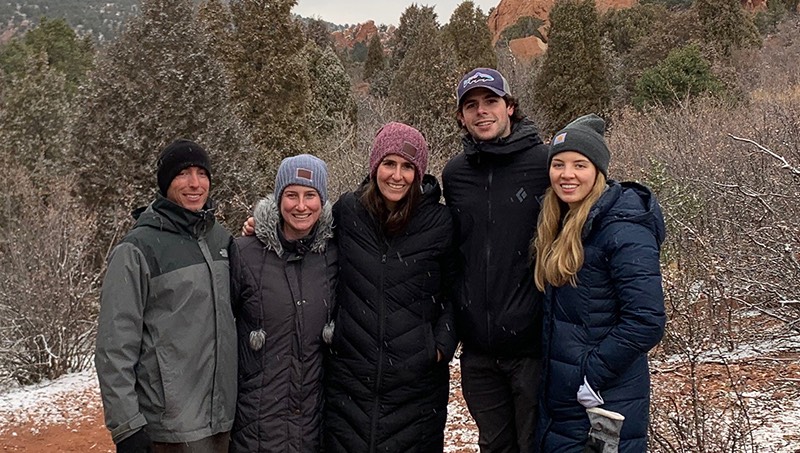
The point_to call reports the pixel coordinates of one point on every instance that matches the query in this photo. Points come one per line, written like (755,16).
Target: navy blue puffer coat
(603,328)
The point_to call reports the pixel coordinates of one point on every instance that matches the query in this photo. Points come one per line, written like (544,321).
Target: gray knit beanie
(305,170)
(584,135)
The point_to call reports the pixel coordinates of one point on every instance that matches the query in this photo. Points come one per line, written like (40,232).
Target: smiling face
(189,188)
(486,115)
(572,177)
(394,176)
(301,207)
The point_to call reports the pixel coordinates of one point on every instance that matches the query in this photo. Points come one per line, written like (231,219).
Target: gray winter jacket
(166,351)
(283,297)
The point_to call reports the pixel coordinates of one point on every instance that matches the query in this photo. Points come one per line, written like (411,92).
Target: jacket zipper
(379,372)
(488,284)
(203,244)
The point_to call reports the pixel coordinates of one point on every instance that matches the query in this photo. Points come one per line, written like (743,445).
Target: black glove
(138,443)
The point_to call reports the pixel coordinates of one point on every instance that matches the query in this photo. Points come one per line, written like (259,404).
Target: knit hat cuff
(304,170)
(583,141)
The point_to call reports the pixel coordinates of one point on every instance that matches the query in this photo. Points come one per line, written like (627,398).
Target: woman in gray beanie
(597,260)
(283,280)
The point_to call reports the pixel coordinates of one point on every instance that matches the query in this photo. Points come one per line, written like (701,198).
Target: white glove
(588,397)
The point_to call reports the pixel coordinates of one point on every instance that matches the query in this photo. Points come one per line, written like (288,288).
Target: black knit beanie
(177,156)
(584,135)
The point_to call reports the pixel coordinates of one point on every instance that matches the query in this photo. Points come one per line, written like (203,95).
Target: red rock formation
(508,12)
(348,37)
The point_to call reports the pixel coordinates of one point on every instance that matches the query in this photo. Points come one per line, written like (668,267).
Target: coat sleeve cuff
(127,429)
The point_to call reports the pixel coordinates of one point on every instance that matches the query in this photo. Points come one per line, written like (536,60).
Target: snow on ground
(774,413)
(461,435)
(771,436)
(51,402)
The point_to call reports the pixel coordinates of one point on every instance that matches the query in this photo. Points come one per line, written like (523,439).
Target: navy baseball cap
(483,78)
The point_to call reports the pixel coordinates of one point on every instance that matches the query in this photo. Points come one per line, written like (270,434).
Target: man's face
(485,115)
(189,188)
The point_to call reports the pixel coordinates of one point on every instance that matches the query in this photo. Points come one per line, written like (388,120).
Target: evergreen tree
(269,74)
(317,31)
(524,26)
(331,102)
(424,85)
(406,34)
(625,28)
(375,58)
(726,25)
(154,84)
(682,75)
(64,50)
(359,52)
(35,112)
(215,20)
(573,79)
(468,34)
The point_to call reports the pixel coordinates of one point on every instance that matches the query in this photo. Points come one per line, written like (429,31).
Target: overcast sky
(381,11)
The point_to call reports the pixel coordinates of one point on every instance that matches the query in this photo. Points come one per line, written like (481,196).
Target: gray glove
(606,427)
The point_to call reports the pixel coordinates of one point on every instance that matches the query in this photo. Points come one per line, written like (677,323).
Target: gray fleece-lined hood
(267,216)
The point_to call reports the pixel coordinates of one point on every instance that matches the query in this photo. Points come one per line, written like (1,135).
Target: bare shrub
(49,289)
(728,181)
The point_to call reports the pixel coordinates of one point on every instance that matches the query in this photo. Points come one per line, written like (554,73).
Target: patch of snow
(778,429)
(50,402)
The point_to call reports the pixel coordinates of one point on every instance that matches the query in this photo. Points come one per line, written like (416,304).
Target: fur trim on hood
(267,217)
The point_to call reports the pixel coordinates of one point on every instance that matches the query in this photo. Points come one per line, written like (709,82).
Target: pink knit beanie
(403,140)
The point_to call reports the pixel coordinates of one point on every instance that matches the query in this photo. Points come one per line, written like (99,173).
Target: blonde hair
(558,251)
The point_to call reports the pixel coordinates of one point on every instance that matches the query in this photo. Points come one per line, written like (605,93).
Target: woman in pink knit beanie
(387,377)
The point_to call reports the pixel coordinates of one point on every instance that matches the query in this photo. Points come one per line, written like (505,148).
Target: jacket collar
(524,136)
(168,216)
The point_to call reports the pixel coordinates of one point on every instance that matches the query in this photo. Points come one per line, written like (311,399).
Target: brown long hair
(559,250)
(392,221)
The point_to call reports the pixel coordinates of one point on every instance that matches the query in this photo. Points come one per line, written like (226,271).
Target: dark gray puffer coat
(283,294)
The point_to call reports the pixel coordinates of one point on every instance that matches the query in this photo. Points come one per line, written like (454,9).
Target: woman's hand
(249,227)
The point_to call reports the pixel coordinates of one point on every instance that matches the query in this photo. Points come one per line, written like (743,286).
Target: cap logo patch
(560,138)
(409,150)
(479,77)
(304,173)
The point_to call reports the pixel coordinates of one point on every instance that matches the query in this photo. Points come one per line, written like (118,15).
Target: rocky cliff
(508,12)
(347,38)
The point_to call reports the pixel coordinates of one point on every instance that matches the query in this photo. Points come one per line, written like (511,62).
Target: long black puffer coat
(283,294)
(385,390)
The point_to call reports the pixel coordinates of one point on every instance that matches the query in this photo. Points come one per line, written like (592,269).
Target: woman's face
(394,176)
(301,207)
(572,177)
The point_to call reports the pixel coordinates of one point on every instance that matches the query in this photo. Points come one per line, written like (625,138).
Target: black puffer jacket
(492,189)
(283,294)
(385,390)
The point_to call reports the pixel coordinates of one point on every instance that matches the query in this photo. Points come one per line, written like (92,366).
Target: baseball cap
(488,78)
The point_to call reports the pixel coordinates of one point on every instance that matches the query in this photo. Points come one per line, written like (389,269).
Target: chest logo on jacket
(522,194)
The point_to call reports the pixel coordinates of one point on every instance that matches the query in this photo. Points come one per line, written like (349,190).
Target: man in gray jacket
(166,339)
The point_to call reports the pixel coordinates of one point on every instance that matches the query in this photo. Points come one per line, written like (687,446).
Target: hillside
(100,18)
